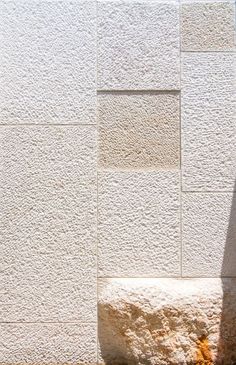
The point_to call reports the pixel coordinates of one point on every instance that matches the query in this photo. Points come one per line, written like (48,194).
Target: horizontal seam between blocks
(167,277)
(47,125)
(137,92)
(41,322)
(209,191)
(209,52)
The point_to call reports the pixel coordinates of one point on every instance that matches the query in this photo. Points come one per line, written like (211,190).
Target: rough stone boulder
(167,321)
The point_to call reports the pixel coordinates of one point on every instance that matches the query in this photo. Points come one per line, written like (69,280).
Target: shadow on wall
(227,341)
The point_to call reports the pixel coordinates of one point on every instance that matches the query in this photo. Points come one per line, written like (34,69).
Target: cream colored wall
(118,137)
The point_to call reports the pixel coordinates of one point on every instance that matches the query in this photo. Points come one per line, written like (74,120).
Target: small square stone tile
(138,224)
(138,45)
(208,25)
(139,131)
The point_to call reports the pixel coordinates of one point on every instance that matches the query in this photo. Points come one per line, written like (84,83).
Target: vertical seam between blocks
(181,152)
(96,35)
(96,111)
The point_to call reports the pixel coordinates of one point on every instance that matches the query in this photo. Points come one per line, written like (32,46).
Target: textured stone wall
(118,161)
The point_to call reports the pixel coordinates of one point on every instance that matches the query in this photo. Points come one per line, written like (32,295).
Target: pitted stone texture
(138,45)
(138,130)
(209,121)
(209,234)
(208,26)
(48,61)
(138,224)
(47,343)
(48,223)
(167,321)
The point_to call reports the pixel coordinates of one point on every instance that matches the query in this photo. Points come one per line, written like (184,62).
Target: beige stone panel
(208,120)
(208,26)
(139,131)
(138,224)
(138,45)
(48,62)
(48,223)
(167,321)
(48,343)
(209,234)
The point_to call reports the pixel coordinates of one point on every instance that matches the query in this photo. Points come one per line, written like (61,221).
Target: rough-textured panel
(48,223)
(167,321)
(48,61)
(43,344)
(209,234)
(139,224)
(209,121)
(208,26)
(138,45)
(138,130)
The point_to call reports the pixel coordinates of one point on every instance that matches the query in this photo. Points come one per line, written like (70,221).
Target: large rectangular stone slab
(138,45)
(48,61)
(208,25)
(48,223)
(139,130)
(48,343)
(209,234)
(138,224)
(208,121)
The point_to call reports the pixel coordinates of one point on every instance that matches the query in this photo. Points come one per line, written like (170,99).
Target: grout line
(167,277)
(96,111)
(180,133)
(137,92)
(45,322)
(46,124)
(209,52)
(208,191)
(138,170)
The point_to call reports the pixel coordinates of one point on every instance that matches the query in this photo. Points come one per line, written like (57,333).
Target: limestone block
(48,223)
(208,121)
(138,224)
(138,44)
(209,234)
(208,25)
(48,61)
(139,130)
(167,321)
(47,343)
